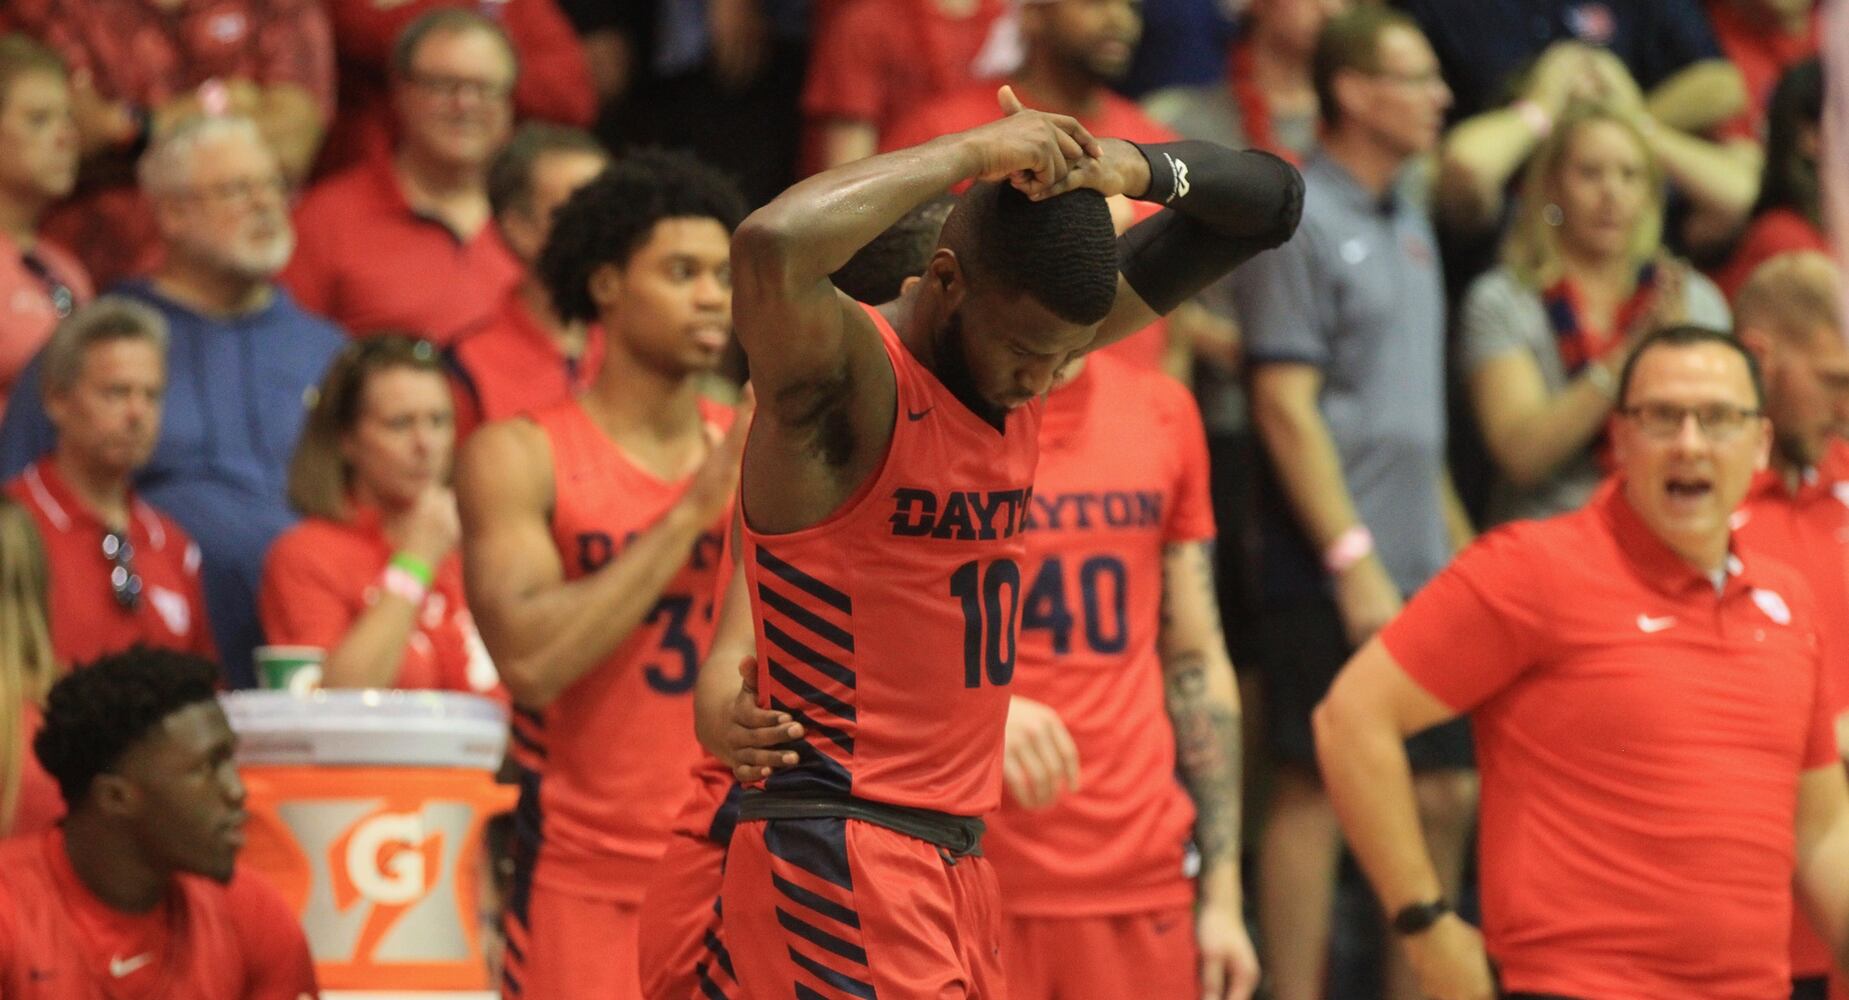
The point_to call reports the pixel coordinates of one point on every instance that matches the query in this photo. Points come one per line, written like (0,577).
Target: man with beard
(241,359)
(1073,50)
(138,893)
(403,242)
(591,538)
(40,283)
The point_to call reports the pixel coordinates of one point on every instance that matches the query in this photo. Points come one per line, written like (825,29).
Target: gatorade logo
(382,888)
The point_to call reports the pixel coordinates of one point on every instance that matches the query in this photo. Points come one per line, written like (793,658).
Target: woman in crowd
(1583,277)
(371,576)
(29,799)
(1789,215)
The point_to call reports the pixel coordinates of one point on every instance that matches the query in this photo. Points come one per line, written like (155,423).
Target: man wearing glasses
(122,573)
(1652,718)
(402,242)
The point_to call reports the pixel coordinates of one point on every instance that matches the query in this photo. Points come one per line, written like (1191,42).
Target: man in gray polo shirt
(1345,332)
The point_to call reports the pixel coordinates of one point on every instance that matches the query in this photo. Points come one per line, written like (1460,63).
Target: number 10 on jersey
(991,599)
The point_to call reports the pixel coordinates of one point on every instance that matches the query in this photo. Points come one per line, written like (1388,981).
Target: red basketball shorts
(1151,956)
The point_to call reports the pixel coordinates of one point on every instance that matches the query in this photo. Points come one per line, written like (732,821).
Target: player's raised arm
(1223,207)
(799,332)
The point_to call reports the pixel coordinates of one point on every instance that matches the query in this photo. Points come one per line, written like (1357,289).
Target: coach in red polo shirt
(122,572)
(1652,719)
(1797,511)
(525,357)
(403,242)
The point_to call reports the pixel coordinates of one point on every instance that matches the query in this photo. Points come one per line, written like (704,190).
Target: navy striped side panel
(816,910)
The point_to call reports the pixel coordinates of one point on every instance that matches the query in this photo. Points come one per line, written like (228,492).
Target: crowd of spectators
(323,236)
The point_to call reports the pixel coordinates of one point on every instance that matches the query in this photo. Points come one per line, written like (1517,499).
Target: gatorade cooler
(367,809)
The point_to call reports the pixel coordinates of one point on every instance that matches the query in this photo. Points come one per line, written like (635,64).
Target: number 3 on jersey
(991,601)
(676,644)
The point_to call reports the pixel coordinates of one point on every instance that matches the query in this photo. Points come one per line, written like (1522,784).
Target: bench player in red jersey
(592,533)
(138,895)
(883,491)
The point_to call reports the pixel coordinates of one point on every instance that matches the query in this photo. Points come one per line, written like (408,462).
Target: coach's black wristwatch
(1415,918)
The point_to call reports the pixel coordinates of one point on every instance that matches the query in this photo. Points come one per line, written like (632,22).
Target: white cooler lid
(374,728)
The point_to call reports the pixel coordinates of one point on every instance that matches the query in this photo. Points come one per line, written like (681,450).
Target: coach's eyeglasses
(124,582)
(1665,420)
(63,300)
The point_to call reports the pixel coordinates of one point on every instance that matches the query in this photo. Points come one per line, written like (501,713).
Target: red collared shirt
(1762,53)
(1808,530)
(510,365)
(27,311)
(366,260)
(321,575)
(86,619)
(1640,736)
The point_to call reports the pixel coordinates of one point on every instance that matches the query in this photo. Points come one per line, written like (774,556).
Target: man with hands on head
(1650,702)
(883,490)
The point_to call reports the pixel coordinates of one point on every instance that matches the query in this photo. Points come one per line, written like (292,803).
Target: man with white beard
(241,361)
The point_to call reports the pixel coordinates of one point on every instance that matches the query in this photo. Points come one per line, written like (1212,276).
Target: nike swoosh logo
(119,967)
(920,415)
(1649,624)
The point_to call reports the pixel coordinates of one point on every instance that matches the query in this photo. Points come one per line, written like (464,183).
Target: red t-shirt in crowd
(1116,118)
(1808,530)
(321,575)
(86,619)
(1775,231)
(40,805)
(613,750)
(1762,52)
(1640,738)
(876,60)
(554,82)
(1123,474)
(367,260)
(140,52)
(28,312)
(510,365)
(204,941)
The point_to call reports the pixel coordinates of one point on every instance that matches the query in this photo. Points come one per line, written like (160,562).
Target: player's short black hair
(1690,335)
(97,712)
(1061,252)
(608,219)
(878,271)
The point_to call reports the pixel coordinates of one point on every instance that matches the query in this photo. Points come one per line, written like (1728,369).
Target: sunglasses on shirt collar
(124,582)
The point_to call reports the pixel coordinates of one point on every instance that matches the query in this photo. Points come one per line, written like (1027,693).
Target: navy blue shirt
(238,390)
(1483,45)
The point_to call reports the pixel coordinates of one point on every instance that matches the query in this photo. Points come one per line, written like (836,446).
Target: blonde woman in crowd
(1584,276)
(371,576)
(29,800)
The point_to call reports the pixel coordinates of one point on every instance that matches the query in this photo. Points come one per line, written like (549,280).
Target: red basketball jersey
(1123,473)
(613,750)
(888,630)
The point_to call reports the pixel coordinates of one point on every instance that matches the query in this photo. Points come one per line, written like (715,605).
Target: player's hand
(1030,149)
(1229,963)
(715,482)
(432,527)
(1450,961)
(1367,599)
(1120,169)
(1039,760)
(747,743)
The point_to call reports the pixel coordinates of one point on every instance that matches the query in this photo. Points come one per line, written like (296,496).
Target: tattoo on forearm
(1208,750)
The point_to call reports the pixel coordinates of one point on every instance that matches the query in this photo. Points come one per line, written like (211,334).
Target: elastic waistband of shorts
(957,836)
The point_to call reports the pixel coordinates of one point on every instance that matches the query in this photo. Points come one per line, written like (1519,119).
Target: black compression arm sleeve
(1224,208)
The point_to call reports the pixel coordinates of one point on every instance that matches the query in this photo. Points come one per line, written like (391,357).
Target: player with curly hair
(591,539)
(138,893)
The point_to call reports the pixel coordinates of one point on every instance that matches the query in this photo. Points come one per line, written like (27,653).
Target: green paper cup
(289,668)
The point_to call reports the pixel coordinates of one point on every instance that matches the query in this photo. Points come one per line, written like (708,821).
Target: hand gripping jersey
(888,630)
(608,759)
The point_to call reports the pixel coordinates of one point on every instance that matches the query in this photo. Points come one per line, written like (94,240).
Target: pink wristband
(397,581)
(1349,548)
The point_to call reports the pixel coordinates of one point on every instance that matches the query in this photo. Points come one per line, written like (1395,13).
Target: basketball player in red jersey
(137,895)
(592,532)
(883,492)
